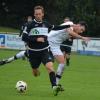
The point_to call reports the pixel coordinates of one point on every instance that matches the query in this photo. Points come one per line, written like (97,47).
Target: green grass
(81,80)
(8,29)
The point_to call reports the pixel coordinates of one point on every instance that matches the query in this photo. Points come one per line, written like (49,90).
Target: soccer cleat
(2,62)
(56,90)
(61,88)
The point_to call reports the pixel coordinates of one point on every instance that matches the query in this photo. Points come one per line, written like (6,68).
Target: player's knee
(49,67)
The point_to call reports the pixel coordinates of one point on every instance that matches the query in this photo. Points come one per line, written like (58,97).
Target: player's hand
(86,39)
(40,39)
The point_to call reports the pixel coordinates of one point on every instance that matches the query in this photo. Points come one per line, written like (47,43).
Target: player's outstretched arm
(76,35)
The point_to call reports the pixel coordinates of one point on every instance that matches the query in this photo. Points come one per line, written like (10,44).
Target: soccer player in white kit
(55,38)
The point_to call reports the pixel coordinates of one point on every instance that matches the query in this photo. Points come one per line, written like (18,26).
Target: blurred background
(14,12)
(81,79)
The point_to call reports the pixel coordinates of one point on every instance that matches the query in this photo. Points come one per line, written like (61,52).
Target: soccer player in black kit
(66,49)
(35,35)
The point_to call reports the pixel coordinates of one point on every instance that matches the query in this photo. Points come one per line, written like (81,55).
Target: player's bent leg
(36,72)
(61,67)
(21,54)
(67,59)
(52,77)
(60,70)
(60,58)
(10,59)
(49,67)
(5,61)
(59,73)
(2,62)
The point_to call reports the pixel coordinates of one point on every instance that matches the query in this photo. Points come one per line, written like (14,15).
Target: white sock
(10,59)
(60,72)
(20,54)
(57,80)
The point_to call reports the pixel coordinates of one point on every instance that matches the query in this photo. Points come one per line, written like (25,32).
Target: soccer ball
(21,86)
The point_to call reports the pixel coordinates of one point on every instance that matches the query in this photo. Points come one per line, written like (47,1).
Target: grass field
(81,80)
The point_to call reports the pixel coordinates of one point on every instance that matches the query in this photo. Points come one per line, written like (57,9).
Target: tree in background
(13,12)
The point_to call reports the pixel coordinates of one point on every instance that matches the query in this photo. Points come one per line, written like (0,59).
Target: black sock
(52,77)
(67,61)
(15,57)
(58,76)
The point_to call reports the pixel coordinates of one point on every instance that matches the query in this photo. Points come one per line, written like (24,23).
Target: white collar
(37,21)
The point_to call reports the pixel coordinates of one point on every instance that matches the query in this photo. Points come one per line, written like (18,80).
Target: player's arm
(21,31)
(22,28)
(25,36)
(74,34)
(57,27)
(60,27)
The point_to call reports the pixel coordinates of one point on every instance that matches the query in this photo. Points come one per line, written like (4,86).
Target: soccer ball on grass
(21,86)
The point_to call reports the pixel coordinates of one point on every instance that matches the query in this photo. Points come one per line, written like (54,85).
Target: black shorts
(38,57)
(65,49)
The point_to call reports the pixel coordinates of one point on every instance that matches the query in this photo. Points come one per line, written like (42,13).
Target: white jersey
(57,37)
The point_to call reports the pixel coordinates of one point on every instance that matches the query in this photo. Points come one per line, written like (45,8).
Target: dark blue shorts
(65,49)
(38,57)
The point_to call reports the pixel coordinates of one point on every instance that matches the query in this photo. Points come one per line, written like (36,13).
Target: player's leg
(19,55)
(52,78)
(35,61)
(60,68)
(35,72)
(48,62)
(67,59)
(2,62)
(60,58)
(10,59)
(50,69)
(5,61)
(68,52)
(57,53)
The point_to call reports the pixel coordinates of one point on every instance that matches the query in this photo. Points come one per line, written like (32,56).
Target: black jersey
(68,42)
(34,30)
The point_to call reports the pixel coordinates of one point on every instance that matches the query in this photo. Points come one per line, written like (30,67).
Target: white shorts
(56,50)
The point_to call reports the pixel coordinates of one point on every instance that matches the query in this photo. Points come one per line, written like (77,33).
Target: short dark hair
(39,7)
(83,23)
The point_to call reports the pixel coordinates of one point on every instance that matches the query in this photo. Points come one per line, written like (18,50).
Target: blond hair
(39,7)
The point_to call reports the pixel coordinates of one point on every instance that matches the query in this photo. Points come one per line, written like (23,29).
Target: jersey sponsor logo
(35,31)
(39,31)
